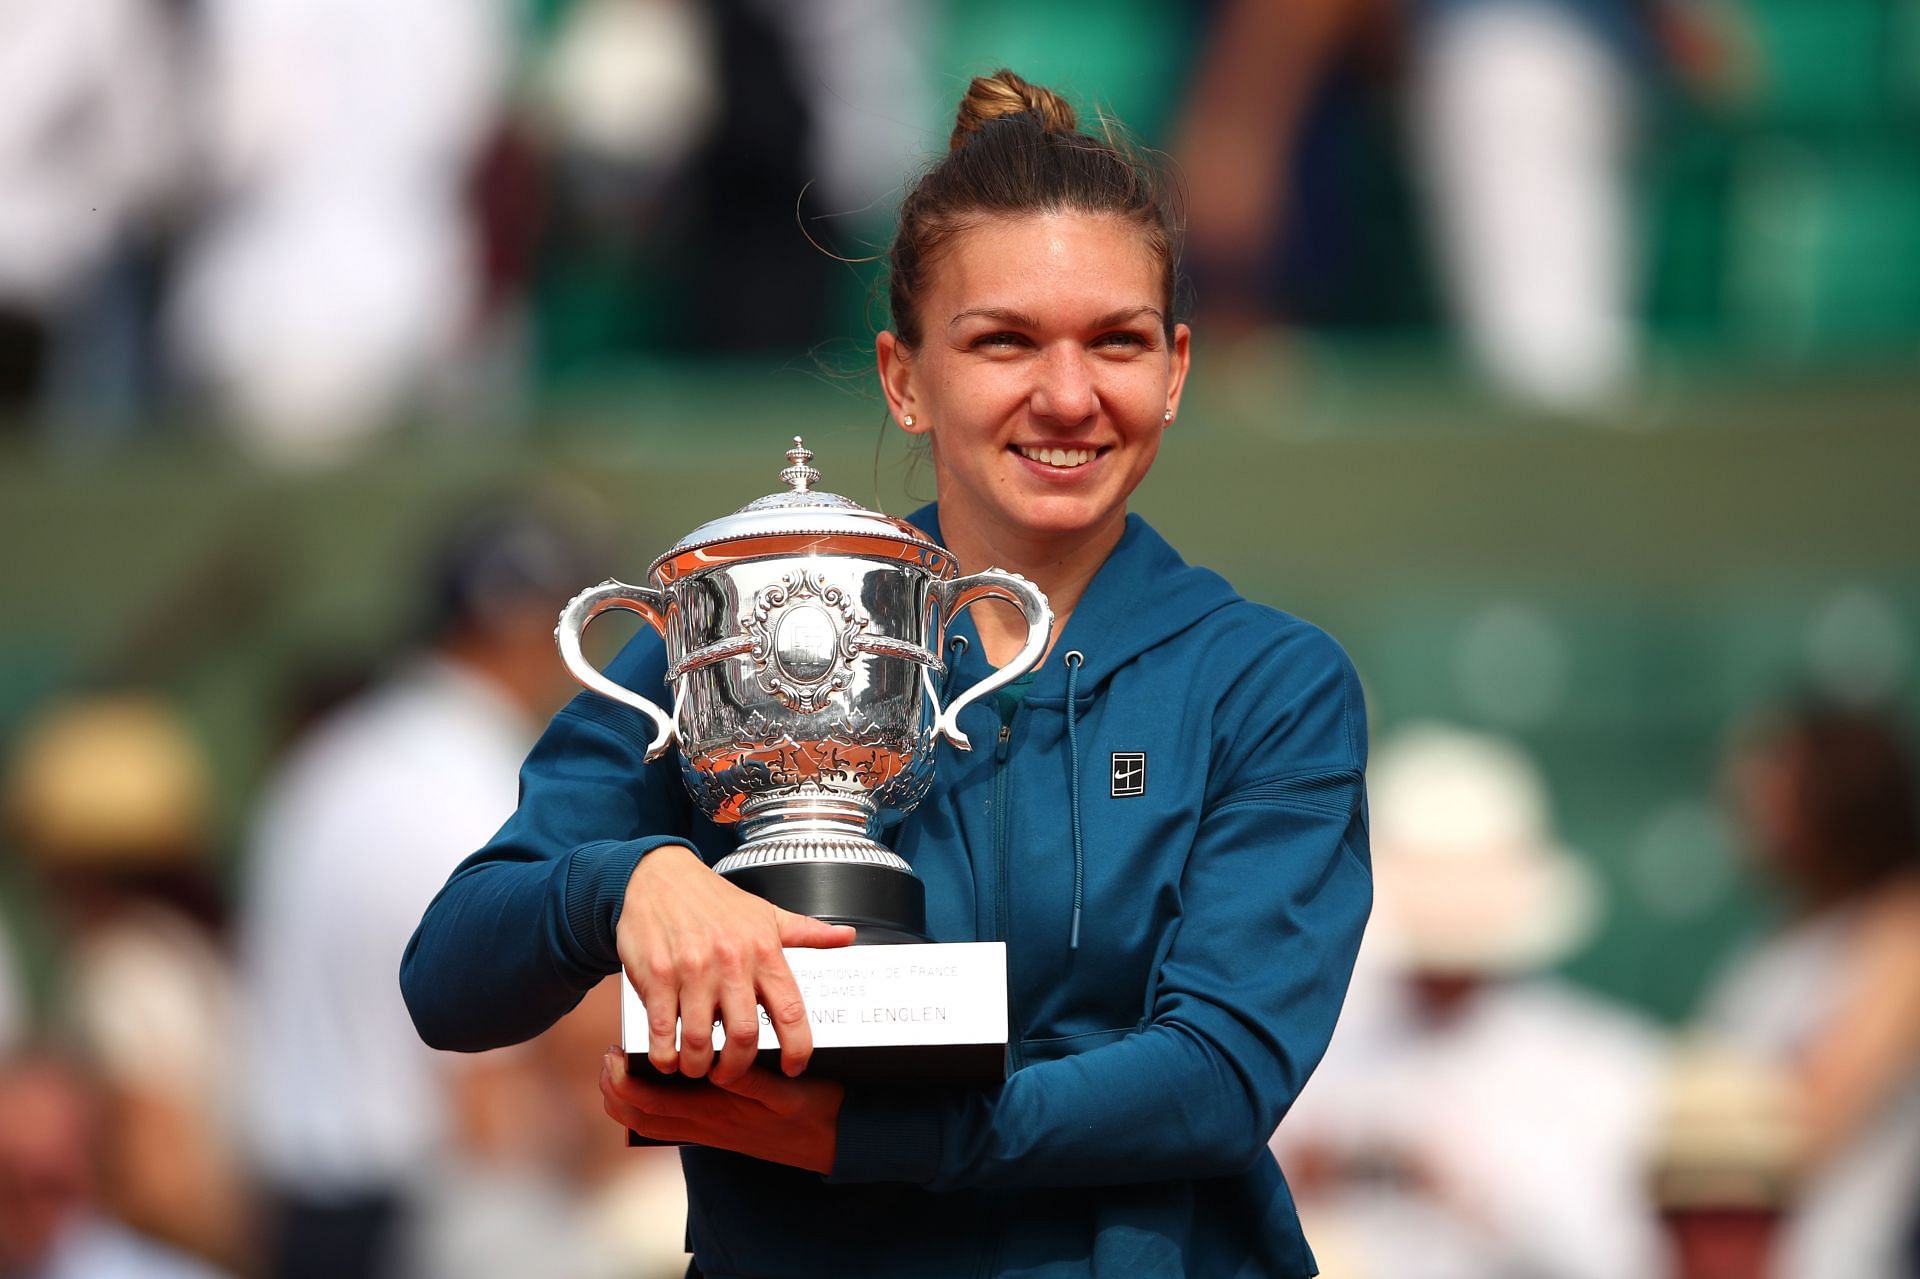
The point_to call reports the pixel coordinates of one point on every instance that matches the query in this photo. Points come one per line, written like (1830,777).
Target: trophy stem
(809,828)
(811,854)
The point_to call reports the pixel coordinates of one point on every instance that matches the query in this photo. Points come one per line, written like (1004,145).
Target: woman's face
(1763,781)
(1044,375)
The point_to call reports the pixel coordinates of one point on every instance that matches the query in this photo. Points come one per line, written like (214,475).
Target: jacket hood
(1143,595)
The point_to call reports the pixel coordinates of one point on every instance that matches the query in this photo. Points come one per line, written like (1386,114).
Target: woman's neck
(1060,566)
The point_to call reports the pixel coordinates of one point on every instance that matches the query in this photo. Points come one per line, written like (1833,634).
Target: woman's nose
(1064,390)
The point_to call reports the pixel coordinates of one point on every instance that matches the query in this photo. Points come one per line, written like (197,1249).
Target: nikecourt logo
(1129,773)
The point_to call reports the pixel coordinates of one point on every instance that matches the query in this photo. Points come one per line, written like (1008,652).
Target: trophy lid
(800,520)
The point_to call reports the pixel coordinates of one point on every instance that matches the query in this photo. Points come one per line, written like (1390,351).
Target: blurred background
(1561,357)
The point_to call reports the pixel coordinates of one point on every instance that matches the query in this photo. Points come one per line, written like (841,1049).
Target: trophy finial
(800,475)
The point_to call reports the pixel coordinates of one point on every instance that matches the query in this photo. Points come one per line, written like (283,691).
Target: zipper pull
(1000,751)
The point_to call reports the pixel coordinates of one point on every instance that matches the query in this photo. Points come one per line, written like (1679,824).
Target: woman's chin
(1062,517)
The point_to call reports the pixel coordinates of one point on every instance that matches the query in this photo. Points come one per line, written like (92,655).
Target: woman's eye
(1122,341)
(998,341)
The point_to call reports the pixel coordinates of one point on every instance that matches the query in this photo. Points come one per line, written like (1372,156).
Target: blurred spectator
(88,104)
(1827,798)
(697,148)
(51,1130)
(1522,112)
(107,798)
(336,275)
(1724,1165)
(13,1002)
(628,89)
(743,237)
(1239,143)
(627,93)
(1518,115)
(1475,1119)
(365,820)
(863,67)
(540,1181)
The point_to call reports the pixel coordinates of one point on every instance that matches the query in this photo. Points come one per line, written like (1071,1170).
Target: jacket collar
(1142,595)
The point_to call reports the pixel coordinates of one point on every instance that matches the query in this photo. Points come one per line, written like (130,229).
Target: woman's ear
(1177,375)
(896,382)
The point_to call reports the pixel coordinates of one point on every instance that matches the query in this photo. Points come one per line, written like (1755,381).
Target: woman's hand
(784,1121)
(700,950)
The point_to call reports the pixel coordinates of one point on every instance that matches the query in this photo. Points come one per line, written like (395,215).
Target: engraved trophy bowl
(803,637)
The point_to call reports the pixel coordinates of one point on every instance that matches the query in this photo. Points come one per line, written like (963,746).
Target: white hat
(109,780)
(1468,876)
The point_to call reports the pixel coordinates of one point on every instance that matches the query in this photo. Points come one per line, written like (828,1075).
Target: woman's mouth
(1060,459)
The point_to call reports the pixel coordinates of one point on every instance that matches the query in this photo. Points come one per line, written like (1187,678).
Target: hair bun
(1005,94)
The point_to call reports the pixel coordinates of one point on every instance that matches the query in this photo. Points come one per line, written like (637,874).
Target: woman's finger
(698,1002)
(694,1114)
(761,1086)
(647,1096)
(740,1017)
(660,994)
(777,1093)
(647,1124)
(804,930)
(780,995)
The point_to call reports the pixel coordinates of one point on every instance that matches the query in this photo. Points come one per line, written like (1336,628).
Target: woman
(1177,951)
(1826,796)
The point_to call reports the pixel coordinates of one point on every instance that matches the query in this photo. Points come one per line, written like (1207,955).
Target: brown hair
(1852,786)
(1016,148)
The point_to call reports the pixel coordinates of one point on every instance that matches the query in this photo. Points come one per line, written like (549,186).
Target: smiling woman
(1178,942)
(1032,282)
(1044,394)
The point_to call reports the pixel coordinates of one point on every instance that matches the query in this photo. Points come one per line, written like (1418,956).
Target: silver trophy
(804,636)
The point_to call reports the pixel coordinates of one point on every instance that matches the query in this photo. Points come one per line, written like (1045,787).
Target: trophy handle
(651,605)
(963,592)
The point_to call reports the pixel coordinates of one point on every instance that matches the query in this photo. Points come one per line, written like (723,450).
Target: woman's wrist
(599,878)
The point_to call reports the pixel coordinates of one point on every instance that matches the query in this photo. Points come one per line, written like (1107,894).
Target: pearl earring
(907,420)
(1167,416)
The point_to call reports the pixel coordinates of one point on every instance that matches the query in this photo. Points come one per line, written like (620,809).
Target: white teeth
(1062,458)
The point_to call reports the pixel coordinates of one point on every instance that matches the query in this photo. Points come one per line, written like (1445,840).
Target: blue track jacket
(1175,971)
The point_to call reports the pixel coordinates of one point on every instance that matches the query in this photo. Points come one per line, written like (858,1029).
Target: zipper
(1001,749)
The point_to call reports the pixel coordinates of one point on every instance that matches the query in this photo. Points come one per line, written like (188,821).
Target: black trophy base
(955,1065)
(885,906)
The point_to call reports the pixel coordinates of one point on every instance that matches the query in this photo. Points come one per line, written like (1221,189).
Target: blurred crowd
(214,1075)
(314,222)
(309,221)
(1478,1116)
(220,1078)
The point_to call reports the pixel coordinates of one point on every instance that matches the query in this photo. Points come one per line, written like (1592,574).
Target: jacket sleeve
(525,926)
(1275,893)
